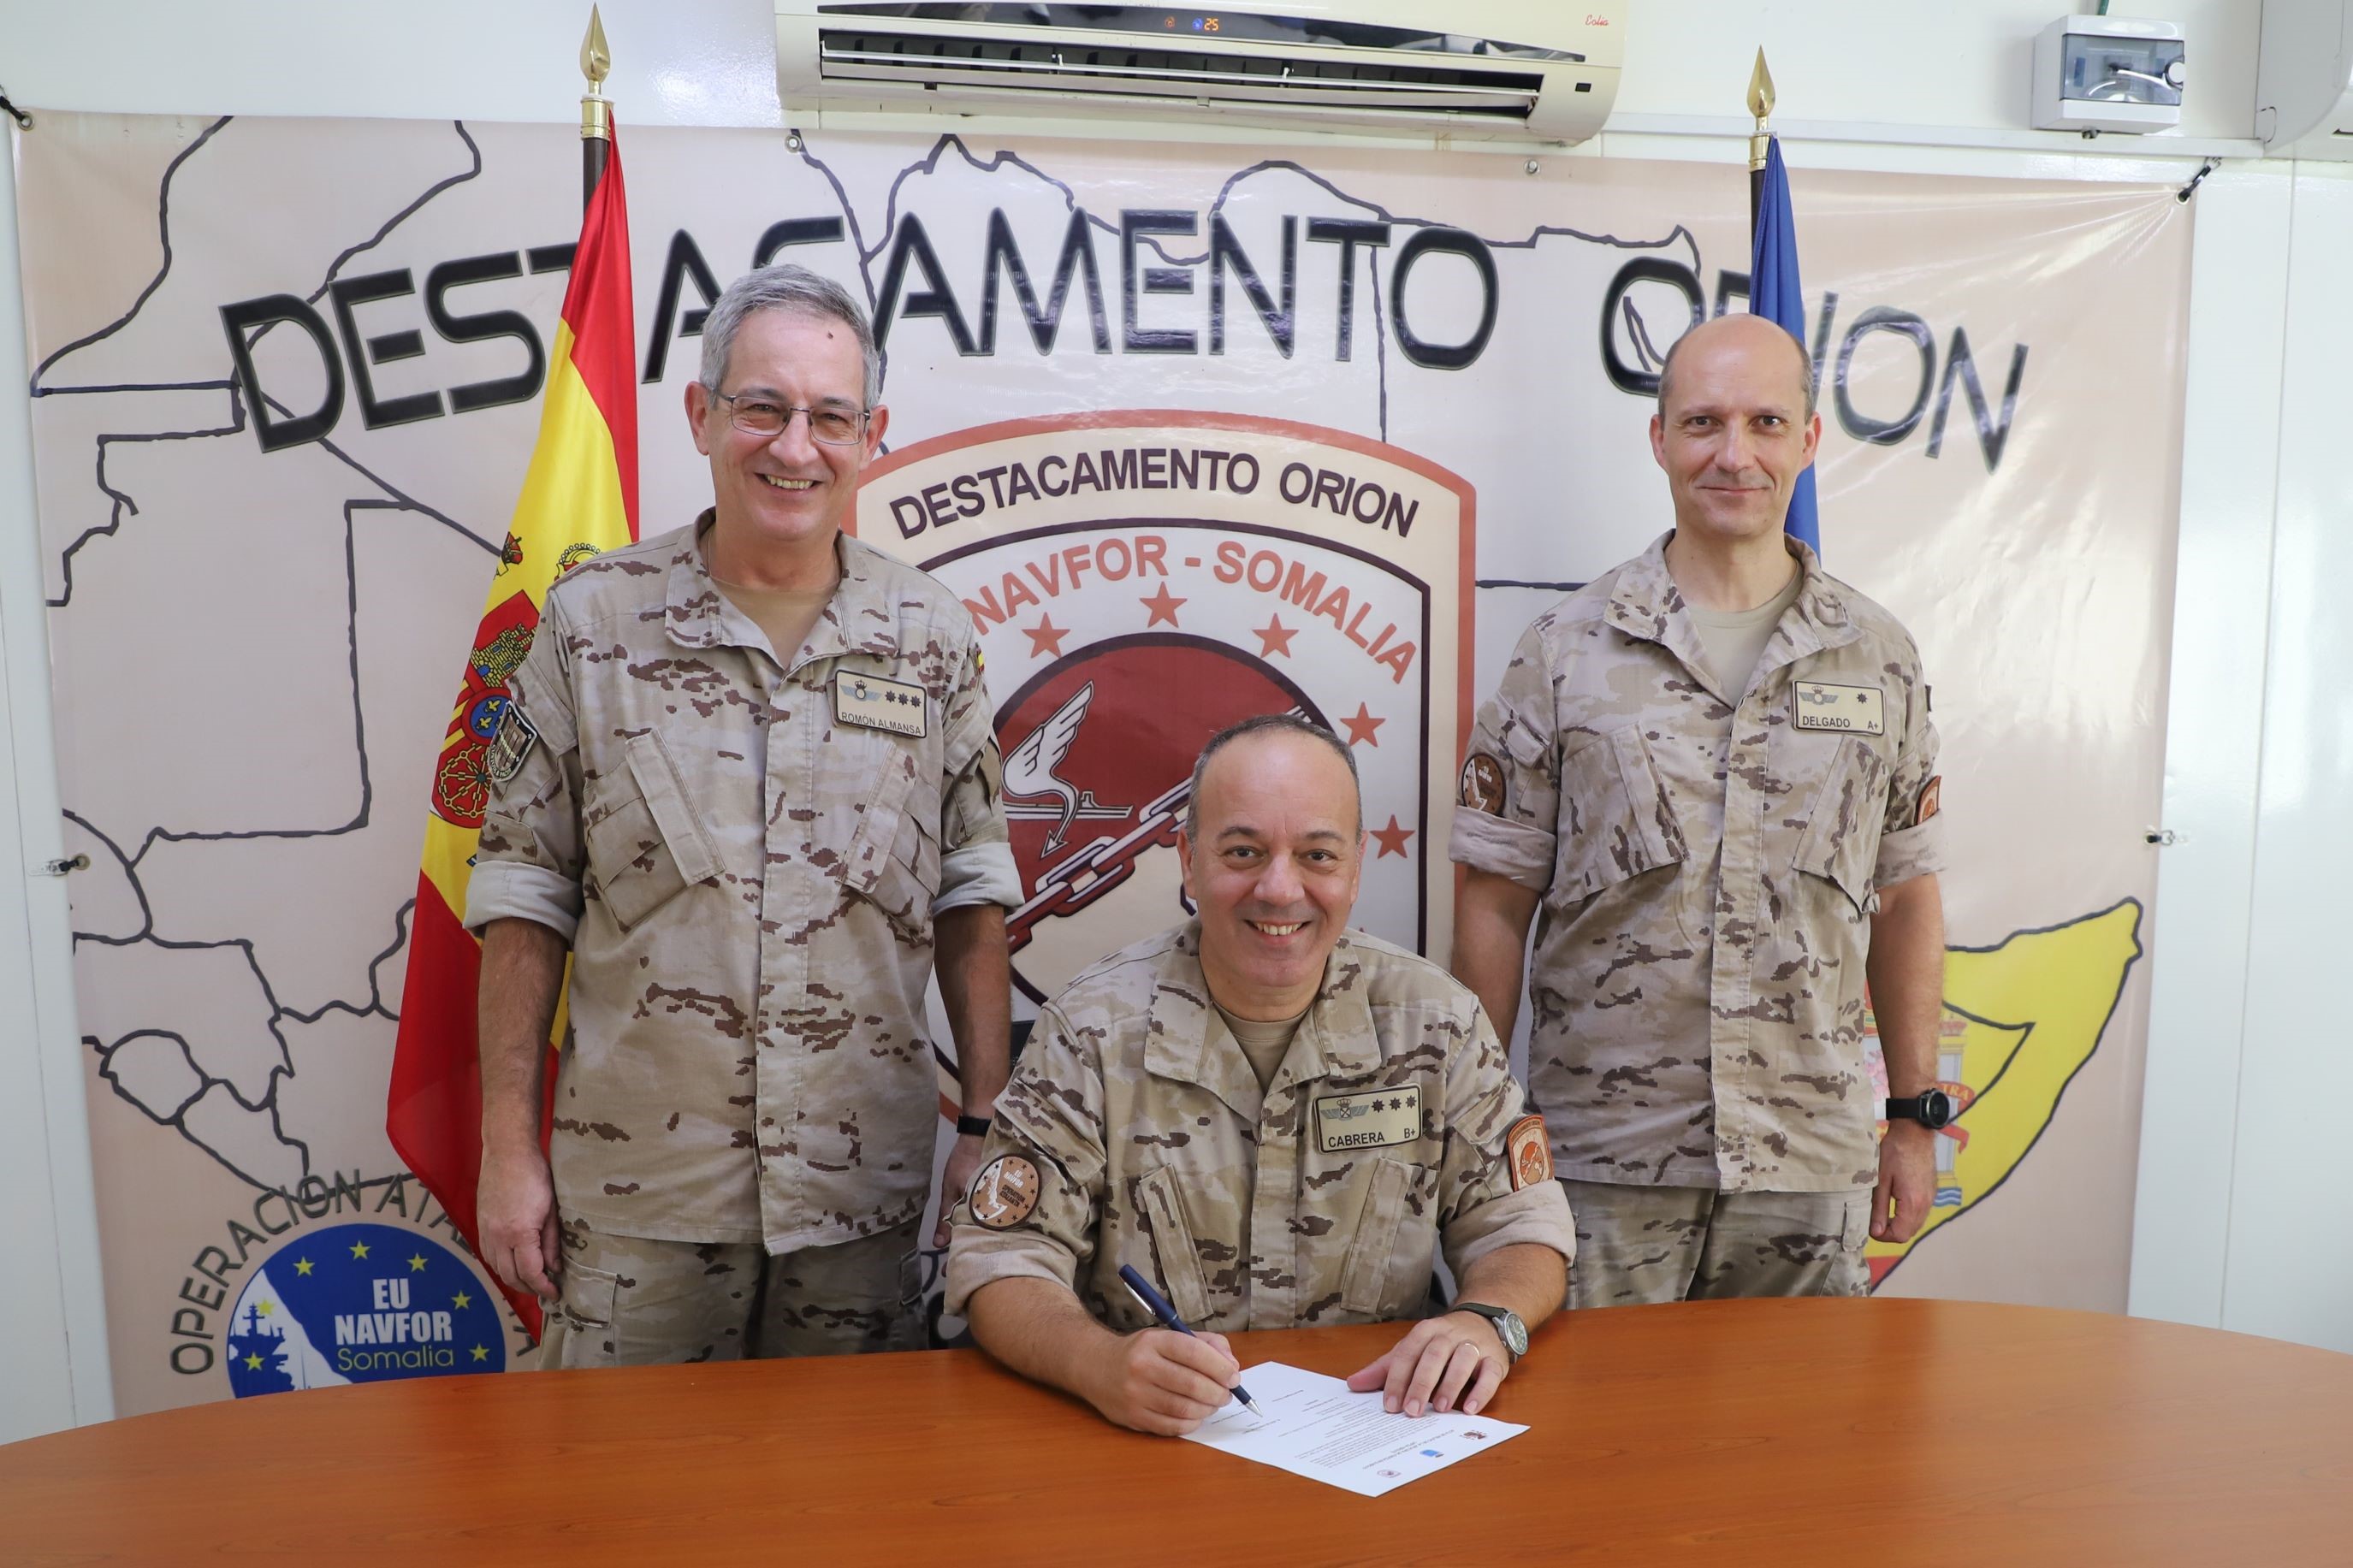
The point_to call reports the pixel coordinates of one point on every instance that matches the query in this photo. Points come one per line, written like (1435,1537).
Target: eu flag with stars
(1773,293)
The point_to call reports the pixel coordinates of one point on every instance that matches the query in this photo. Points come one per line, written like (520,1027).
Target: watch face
(1936,1109)
(1514,1332)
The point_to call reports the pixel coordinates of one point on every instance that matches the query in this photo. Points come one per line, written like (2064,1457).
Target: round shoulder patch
(1004,1191)
(1529,1150)
(1931,798)
(1483,783)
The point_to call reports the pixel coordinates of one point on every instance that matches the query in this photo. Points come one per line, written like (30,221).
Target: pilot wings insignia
(1031,769)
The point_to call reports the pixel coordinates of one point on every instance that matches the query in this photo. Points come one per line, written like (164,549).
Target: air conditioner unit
(1515,72)
(2303,78)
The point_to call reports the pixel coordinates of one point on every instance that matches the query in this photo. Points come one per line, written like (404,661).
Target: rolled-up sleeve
(1033,1211)
(977,864)
(528,863)
(1507,796)
(1912,839)
(1483,1205)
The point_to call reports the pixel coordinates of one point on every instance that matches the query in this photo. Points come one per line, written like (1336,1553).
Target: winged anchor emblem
(1031,775)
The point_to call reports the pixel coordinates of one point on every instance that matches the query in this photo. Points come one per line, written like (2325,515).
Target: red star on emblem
(1362,726)
(1392,837)
(1045,637)
(1274,638)
(1162,607)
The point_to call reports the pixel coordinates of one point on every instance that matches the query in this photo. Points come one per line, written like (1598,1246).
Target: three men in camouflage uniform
(749,780)
(1709,777)
(1278,1119)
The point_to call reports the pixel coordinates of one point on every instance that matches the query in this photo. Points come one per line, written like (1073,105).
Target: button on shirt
(1709,860)
(748,882)
(1143,1138)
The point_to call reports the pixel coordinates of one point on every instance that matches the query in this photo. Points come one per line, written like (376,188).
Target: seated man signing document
(1275,1119)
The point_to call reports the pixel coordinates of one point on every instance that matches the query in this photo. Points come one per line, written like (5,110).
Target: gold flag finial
(595,61)
(1760,104)
(596,56)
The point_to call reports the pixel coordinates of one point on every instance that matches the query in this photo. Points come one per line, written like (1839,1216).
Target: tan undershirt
(1265,1043)
(1735,639)
(786,614)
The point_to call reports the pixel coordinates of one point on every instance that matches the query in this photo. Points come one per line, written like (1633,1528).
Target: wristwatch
(1508,1327)
(1931,1108)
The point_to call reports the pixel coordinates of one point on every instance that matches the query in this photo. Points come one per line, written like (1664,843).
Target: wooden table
(1894,1433)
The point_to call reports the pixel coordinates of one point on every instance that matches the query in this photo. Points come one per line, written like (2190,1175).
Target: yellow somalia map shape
(2020,1019)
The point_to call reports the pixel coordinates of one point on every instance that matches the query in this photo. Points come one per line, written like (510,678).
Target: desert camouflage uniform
(1147,1141)
(748,885)
(1708,867)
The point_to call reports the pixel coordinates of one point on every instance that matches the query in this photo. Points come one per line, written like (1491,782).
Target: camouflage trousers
(1641,1246)
(630,1301)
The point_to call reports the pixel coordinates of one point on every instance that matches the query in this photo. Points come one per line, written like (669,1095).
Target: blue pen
(1158,1307)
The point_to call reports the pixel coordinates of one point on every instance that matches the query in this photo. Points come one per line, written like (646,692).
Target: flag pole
(1760,105)
(596,108)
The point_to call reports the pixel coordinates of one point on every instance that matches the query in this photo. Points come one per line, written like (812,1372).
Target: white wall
(2243,1220)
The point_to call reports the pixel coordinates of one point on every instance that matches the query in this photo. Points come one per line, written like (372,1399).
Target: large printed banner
(1193,433)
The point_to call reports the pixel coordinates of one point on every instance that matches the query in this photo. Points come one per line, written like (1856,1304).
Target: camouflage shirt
(1134,1131)
(748,881)
(1709,861)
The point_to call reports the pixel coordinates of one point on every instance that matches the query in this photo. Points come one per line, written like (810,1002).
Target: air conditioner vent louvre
(935,60)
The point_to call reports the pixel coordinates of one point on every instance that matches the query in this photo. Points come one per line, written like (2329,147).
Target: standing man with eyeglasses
(749,783)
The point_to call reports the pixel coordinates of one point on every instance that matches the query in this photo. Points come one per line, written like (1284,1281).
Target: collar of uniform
(857,619)
(1182,1026)
(1645,603)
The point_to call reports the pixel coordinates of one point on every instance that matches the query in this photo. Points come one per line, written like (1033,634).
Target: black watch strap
(973,1126)
(1931,1110)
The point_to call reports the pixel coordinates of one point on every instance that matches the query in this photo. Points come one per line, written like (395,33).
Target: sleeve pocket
(649,847)
(1172,1242)
(1616,820)
(1842,840)
(1364,1278)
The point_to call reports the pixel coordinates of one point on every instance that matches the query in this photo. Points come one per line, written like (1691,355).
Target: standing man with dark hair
(1710,778)
(749,782)
(1279,1120)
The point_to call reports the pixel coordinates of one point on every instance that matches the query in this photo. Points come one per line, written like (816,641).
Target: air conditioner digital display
(1308,31)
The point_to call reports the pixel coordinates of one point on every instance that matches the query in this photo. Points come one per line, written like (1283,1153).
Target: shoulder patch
(1005,1192)
(1930,800)
(510,742)
(1483,783)
(1529,1150)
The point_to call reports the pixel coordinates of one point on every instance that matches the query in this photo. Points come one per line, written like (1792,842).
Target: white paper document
(1312,1427)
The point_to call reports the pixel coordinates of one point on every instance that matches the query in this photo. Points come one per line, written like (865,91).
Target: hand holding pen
(1158,1305)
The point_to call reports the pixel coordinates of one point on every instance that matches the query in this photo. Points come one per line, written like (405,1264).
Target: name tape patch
(877,703)
(1369,1119)
(1858,709)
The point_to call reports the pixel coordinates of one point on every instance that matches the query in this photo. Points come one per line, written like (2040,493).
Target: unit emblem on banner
(1141,582)
(360,1303)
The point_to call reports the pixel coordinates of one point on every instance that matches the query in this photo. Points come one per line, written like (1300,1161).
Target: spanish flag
(579,499)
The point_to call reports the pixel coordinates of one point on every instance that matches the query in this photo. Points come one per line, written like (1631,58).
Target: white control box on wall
(2109,73)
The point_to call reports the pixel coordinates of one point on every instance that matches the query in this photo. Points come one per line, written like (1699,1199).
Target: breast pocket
(1616,820)
(645,845)
(1374,1273)
(1173,1246)
(1841,844)
(894,857)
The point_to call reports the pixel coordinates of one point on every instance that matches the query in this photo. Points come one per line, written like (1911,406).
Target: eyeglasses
(756,415)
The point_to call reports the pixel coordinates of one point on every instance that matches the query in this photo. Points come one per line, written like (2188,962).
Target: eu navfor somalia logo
(360,1303)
